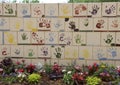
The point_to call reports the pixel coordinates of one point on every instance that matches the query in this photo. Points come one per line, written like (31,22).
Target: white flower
(23,75)
(63,70)
(20,75)
(69,72)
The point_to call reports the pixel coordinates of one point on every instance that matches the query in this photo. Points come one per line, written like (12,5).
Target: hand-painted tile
(109,9)
(57,52)
(85,24)
(51,38)
(71,24)
(5,51)
(10,37)
(1,38)
(117,38)
(17,51)
(107,38)
(80,9)
(4,23)
(65,10)
(114,24)
(79,38)
(94,9)
(100,53)
(44,24)
(16,24)
(71,52)
(85,52)
(57,24)
(93,38)
(51,10)
(44,51)
(23,10)
(112,52)
(1,10)
(30,51)
(24,38)
(30,24)
(100,24)
(9,9)
(38,37)
(37,10)
(118,53)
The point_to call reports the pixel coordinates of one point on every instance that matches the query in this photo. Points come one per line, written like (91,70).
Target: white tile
(112,52)
(30,51)
(57,52)
(1,38)
(44,51)
(10,37)
(109,9)
(79,38)
(16,24)
(9,9)
(23,10)
(17,51)
(4,23)
(65,10)
(37,37)
(51,37)
(94,9)
(80,9)
(5,51)
(30,24)
(37,10)
(1,10)
(51,9)
(85,52)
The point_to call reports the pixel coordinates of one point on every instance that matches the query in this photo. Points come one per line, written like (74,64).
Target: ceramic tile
(4,23)
(1,10)
(5,51)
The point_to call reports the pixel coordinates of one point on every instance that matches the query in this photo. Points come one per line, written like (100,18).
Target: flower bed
(20,73)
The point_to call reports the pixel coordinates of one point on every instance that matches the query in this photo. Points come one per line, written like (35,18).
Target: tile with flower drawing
(71,24)
(85,24)
(17,51)
(79,38)
(10,37)
(112,52)
(85,52)
(30,24)
(71,52)
(118,8)
(100,24)
(51,37)
(4,23)
(57,52)
(80,9)
(44,51)
(4,50)
(65,10)
(1,38)
(24,38)
(23,10)
(94,9)
(44,24)
(93,38)
(107,38)
(51,9)
(100,53)
(37,37)
(30,51)
(1,10)
(109,8)
(9,9)
(37,10)
(114,24)
(57,24)
(16,24)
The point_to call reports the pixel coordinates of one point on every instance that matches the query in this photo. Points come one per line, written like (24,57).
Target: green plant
(48,68)
(92,80)
(34,78)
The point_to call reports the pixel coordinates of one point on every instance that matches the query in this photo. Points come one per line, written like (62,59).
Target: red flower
(21,70)
(18,63)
